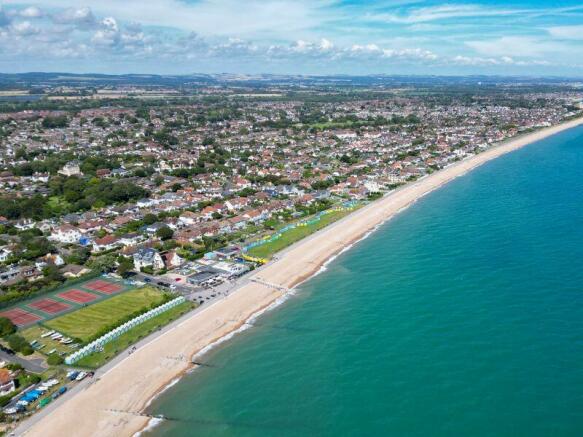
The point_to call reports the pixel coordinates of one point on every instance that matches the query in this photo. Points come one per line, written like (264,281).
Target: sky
(494,37)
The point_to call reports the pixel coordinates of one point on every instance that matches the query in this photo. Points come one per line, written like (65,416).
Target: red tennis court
(77,296)
(103,286)
(49,306)
(20,317)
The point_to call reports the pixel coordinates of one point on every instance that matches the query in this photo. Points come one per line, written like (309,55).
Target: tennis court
(20,317)
(78,296)
(103,286)
(64,300)
(49,306)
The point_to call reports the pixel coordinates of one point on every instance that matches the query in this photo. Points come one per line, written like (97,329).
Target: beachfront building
(148,257)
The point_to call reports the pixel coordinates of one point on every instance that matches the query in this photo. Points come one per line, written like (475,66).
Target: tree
(125,266)
(19,344)
(165,233)
(52,273)
(78,256)
(105,263)
(55,122)
(150,219)
(6,326)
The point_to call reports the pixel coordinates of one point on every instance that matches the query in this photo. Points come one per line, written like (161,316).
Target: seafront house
(148,257)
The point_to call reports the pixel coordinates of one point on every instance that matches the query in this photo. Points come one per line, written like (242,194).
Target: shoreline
(114,404)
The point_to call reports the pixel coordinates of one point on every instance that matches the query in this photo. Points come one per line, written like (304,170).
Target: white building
(148,258)
(4,254)
(71,169)
(66,234)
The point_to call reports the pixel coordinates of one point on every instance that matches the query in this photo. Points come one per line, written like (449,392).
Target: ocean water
(462,316)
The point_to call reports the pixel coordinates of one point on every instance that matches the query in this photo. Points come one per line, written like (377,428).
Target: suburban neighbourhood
(120,215)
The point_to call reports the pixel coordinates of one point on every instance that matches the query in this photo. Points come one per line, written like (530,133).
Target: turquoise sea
(462,316)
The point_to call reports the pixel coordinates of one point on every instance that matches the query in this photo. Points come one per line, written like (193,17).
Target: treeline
(59,121)
(78,195)
(77,105)
(53,163)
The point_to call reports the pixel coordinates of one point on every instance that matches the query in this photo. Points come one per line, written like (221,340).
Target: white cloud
(229,18)
(31,12)
(501,61)
(567,32)
(240,39)
(80,17)
(515,46)
(442,12)
(24,28)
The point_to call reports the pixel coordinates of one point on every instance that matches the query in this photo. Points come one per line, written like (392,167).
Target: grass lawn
(34,333)
(121,343)
(296,234)
(87,322)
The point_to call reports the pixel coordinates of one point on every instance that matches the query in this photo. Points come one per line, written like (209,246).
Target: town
(151,195)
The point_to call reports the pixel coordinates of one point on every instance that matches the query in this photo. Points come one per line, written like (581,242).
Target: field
(121,343)
(296,234)
(87,322)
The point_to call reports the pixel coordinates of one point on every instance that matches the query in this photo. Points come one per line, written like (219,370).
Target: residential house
(74,271)
(172,260)
(148,258)
(131,239)
(7,384)
(4,254)
(108,242)
(71,169)
(188,218)
(67,234)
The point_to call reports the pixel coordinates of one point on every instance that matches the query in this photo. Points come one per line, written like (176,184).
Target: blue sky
(293,36)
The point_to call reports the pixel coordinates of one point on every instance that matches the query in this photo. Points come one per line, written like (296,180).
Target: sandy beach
(112,405)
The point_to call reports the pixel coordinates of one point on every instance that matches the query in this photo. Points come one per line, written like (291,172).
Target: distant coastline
(113,404)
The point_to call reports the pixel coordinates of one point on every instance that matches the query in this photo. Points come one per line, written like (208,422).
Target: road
(199,295)
(33,366)
(206,296)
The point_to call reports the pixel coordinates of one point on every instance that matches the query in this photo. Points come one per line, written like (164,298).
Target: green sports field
(87,322)
(267,250)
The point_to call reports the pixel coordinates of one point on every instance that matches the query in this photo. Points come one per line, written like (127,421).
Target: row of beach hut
(98,344)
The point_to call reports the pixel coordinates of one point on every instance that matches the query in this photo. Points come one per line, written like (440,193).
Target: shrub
(6,326)
(14,366)
(4,400)
(54,360)
(27,350)
(16,342)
